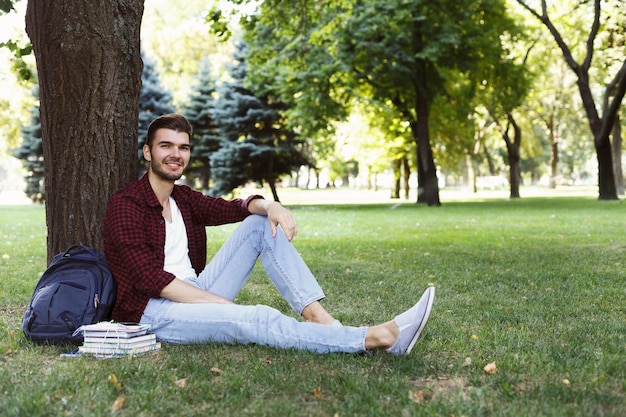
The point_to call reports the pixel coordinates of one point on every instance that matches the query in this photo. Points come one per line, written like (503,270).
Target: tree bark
(428,185)
(554,149)
(396,165)
(406,175)
(89,67)
(617,156)
(513,155)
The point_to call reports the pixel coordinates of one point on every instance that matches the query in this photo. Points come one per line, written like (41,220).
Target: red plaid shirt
(134,239)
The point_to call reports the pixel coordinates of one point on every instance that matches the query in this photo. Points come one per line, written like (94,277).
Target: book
(117,351)
(114,340)
(112,329)
(137,341)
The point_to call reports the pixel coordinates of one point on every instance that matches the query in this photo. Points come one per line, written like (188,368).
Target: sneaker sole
(429,306)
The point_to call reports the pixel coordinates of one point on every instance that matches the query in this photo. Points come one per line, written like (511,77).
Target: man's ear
(146,153)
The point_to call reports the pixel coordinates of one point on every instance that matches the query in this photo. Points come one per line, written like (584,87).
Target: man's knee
(256,222)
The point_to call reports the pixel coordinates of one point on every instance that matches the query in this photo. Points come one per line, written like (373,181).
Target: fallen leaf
(467,361)
(217,371)
(115,382)
(317,393)
(118,404)
(490,368)
(416,396)
(181,383)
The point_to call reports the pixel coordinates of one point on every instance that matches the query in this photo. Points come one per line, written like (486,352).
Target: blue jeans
(226,274)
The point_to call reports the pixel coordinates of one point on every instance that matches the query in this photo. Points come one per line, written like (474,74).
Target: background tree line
(454,89)
(237,137)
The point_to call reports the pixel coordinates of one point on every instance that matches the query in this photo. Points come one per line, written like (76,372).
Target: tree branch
(618,86)
(543,18)
(592,35)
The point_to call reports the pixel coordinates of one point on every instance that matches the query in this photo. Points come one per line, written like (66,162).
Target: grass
(535,285)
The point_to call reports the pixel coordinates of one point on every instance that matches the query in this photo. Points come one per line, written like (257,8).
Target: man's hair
(175,122)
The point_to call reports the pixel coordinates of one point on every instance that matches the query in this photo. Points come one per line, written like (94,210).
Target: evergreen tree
(31,154)
(257,146)
(154,100)
(205,139)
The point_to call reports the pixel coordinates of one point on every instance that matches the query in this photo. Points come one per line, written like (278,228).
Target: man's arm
(182,292)
(277,215)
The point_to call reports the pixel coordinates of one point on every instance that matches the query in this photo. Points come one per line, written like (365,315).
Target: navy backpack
(76,289)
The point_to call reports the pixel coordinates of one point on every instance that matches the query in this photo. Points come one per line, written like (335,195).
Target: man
(155,244)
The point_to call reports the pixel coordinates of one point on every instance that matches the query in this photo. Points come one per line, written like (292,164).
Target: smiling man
(155,242)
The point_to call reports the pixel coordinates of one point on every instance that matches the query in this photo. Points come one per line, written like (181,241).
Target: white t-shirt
(177,260)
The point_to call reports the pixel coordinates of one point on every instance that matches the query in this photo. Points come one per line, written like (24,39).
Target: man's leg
(231,266)
(188,323)
(230,323)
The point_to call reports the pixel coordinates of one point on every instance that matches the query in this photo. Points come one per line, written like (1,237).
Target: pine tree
(31,154)
(154,100)
(257,146)
(205,139)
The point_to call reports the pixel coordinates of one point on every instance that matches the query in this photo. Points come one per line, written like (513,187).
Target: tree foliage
(154,100)
(30,152)
(205,140)
(601,122)
(257,145)
(320,55)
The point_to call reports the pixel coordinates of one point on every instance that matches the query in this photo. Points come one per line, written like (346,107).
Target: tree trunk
(471,173)
(272,185)
(554,150)
(616,143)
(89,66)
(606,177)
(513,147)
(396,168)
(489,159)
(406,171)
(428,185)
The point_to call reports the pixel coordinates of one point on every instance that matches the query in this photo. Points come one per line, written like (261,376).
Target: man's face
(169,154)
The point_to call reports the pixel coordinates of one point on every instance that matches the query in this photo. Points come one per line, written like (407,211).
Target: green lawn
(536,286)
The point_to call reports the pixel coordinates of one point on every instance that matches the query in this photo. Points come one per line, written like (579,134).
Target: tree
(600,125)
(256,144)
(154,100)
(321,54)
(205,139)
(31,154)
(89,67)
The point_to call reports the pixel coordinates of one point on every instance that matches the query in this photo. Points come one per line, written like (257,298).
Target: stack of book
(109,339)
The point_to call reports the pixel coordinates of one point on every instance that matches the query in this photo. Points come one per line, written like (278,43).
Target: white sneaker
(412,322)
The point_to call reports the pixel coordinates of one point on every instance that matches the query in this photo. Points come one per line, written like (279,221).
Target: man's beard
(163,174)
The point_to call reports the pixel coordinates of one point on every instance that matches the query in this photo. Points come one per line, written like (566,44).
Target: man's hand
(277,215)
